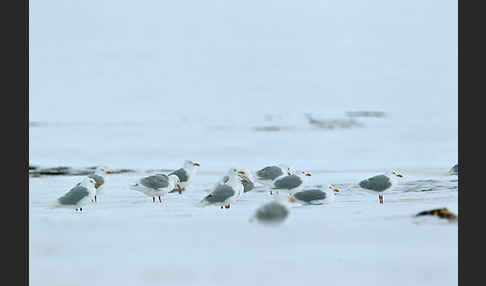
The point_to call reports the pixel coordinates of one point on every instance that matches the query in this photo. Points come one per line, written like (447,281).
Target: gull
(185,175)
(268,174)
(290,183)
(314,196)
(272,213)
(156,185)
(99,180)
(78,196)
(380,183)
(225,194)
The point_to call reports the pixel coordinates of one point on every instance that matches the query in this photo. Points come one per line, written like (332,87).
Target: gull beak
(308,174)
(196,164)
(179,189)
(400,175)
(289,174)
(244,181)
(97,184)
(336,190)
(292,200)
(109,172)
(241,172)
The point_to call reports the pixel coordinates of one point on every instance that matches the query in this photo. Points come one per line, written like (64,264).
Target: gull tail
(135,187)
(203,203)
(55,205)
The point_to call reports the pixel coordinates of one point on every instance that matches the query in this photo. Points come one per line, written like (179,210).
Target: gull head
(102,170)
(236,171)
(397,174)
(305,173)
(333,189)
(188,164)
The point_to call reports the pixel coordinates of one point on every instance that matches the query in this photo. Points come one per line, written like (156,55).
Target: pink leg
(271,193)
(153,199)
(81,209)
(95,199)
(381,198)
(160,200)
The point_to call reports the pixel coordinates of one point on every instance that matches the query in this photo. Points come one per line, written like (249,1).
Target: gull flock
(286,184)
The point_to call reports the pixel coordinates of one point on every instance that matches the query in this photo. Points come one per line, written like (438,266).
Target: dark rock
(332,123)
(52,171)
(68,171)
(441,213)
(35,124)
(377,114)
(271,128)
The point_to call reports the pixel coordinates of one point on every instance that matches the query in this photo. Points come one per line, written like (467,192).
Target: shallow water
(244,84)
(353,239)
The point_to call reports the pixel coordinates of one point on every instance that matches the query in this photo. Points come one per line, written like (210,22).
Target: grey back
(155,181)
(74,195)
(182,174)
(272,212)
(220,194)
(288,182)
(377,183)
(310,195)
(269,173)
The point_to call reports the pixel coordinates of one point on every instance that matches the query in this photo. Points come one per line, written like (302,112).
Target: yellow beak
(241,172)
(308,174)
(292,200)
(336,190)
(197,164)
(400,175)
(244,181)
(97,184)
(109,172)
